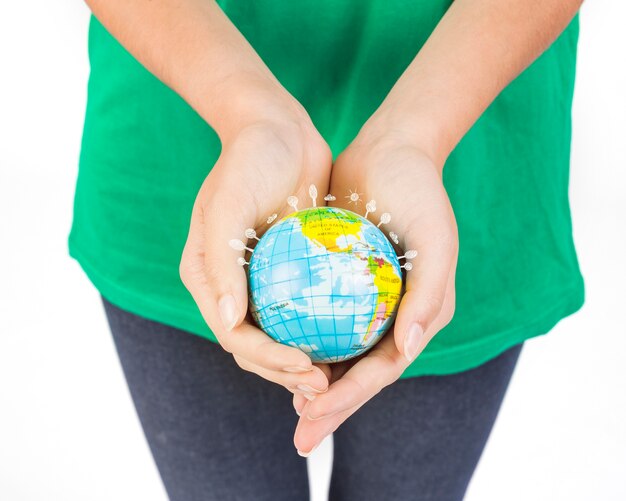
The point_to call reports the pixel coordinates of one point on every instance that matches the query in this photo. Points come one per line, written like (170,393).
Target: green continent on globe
(325,280)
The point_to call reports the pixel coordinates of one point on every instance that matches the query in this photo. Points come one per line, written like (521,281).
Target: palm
(403,182)
(260,170)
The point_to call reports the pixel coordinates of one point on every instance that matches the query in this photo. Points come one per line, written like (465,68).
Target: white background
(68,430)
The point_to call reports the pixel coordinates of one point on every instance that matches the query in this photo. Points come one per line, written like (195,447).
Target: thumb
(426,306)
(209,267)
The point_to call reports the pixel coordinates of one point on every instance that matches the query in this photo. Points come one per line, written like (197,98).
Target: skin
(270,150)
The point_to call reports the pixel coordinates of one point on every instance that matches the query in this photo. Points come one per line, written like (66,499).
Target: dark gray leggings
(219,433)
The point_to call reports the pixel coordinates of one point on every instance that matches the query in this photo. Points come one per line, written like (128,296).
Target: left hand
(406,182)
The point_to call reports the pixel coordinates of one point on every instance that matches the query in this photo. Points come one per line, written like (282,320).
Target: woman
(203,118)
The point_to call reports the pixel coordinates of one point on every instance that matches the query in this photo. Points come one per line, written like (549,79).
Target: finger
(309,434)
(245,340)
(310,383)
(379,368)
(426,285)
(252,344)
(321,416)
(326,369)
(300,399)
(226,279)
(209,267)
(444,317)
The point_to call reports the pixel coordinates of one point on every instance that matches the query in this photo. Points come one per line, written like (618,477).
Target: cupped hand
(407,183)
(260,166)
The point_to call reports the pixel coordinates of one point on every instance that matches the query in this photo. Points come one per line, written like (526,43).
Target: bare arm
(475,51)
(192,47)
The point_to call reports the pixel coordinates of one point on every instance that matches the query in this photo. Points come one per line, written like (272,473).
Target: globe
(325,280)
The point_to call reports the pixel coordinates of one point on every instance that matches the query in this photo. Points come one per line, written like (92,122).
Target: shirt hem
(450,361)
(471,355)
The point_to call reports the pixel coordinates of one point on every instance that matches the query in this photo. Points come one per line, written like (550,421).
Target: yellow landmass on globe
(389,286)
(333,231)
(326,230)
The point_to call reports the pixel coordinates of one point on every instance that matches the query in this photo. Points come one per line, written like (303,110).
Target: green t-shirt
(145,153)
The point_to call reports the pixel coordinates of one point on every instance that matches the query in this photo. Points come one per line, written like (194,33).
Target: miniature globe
(325,280)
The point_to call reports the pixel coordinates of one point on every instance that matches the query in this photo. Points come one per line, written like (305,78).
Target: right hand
(261,164)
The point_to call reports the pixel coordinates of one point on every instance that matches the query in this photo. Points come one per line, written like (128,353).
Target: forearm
(476,50)
(192,47)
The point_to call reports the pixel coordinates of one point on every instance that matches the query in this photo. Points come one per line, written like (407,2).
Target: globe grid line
(282,308)
(332,281)
(342,296)
(308,259)
(280,313)
(350,252)
(308,213)
(289,264)
(353,290)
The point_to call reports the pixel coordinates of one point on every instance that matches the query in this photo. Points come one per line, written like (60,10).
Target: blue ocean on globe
(325,280)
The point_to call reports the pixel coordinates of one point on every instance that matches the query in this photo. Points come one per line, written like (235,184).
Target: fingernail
(308,389)
(298,412)
(309,396)
(412,341)
(297,369)
(307,454)
(227,307)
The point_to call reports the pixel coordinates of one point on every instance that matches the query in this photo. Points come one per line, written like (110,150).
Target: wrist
(244,100)
(395,125)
